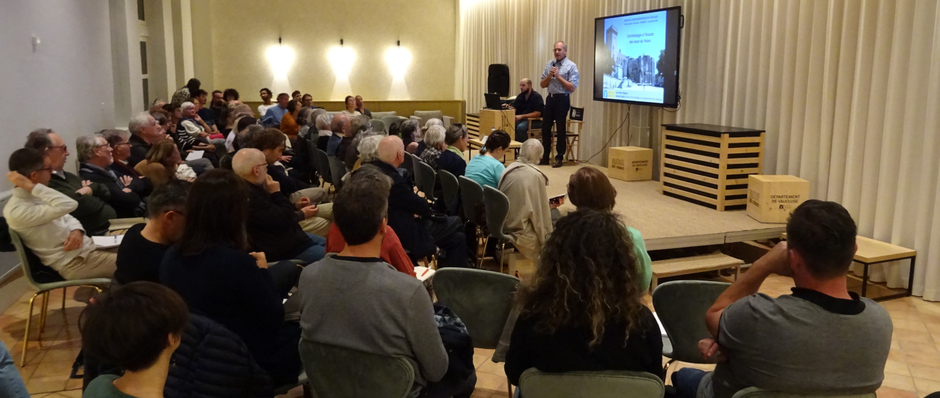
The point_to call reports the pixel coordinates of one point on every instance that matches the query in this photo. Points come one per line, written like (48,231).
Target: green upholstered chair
(496,204)
(44,280)
(602,384)
(681,307)
(343,372)
(425,178)
(471,197)
(754,392)
(337,170)
(379,125)
(383,115)
(424,116)
(450,187)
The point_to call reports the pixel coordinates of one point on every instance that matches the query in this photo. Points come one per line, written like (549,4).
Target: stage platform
(669,223)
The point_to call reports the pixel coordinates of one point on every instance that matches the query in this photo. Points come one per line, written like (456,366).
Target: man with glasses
(41,216)
(95,157)
(143,246)
(93,210)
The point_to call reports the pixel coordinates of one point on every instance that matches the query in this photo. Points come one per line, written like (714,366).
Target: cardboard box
(771,199)
(630,163)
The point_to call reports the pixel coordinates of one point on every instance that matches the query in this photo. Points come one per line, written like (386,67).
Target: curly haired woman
(583,310)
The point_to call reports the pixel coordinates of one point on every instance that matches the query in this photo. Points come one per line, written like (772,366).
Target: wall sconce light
(342,59)
(398,60)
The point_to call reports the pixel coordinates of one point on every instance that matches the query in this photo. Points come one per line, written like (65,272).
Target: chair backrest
(601,384)
(481,299)
(379,125)
(312,151)
(754,392)
(424,116)
(389,121)
(450,187)
(681,307)
(337,170)
(471,196)
(425,178)
(323,164)
(343,372)
(36,272)
(382,115)
(496,204)
(408,164)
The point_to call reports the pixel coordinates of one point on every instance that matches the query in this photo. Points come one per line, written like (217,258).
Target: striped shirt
(567,70)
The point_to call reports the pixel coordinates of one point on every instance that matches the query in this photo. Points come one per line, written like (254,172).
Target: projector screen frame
(680,25)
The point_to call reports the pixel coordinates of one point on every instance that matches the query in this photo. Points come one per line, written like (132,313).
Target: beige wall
(242,31)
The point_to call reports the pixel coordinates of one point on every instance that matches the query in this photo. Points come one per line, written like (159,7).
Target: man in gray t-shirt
(820,339)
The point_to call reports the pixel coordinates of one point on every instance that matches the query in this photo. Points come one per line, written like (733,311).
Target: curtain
(847,90)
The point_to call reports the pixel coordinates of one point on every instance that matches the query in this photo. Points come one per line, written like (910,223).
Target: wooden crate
(630,163)
(709,165)
(771,198)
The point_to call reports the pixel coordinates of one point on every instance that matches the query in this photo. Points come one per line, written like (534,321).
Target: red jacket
(392,251)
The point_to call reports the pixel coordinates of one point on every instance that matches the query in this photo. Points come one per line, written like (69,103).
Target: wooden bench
(694,265)
(871,251)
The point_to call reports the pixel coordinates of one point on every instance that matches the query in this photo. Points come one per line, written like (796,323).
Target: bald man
(340,125)
(528,104)
(420,236)
(273,221)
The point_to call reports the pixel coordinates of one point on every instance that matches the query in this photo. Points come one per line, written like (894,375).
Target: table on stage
(669,223)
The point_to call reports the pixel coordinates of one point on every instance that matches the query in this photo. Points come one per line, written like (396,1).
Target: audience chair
(600,384)
(337,171)
(471,198)
(322,161)
(335,371)
(389,121)
(408,164)
(44,279)
(450,187)
(424,116)
(754,392)
(483,300)
(379,125)
(496,204)
(424,179)
(681,307)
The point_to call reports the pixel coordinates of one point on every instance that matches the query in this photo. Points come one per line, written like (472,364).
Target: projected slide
(633,64)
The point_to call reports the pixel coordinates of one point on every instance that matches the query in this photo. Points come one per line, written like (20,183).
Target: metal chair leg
(486,241)
(502,256)
(509,387)
(64,291)
(29,320)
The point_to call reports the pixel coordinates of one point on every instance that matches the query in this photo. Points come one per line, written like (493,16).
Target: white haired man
(94,156)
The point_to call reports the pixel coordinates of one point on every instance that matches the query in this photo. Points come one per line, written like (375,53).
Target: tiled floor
(913,368)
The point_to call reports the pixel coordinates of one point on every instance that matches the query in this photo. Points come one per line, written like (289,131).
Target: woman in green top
(589,188)
(149,319)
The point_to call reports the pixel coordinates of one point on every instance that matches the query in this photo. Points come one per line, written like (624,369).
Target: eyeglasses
(62,147)
(49,169)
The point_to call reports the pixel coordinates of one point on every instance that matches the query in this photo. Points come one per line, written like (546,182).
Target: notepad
(423,273)
(107,242)
(194,155)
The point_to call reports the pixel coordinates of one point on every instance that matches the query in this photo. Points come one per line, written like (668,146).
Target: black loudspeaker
(498,80)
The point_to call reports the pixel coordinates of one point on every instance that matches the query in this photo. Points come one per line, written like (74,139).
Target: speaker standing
(561,79)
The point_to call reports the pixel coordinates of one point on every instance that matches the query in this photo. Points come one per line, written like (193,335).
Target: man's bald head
(246,164)
(340,124)
(392,150)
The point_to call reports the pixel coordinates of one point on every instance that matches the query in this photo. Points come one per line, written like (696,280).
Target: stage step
(694,265)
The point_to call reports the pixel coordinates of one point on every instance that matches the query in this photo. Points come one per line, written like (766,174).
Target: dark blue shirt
(525,105)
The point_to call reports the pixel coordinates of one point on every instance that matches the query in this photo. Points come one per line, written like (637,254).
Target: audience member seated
(272,142)
(582,310)
(289,124)
(361,107)
(346,151)
(266,96)
(305,122)
(452,160)
(161,163)
(272,219)
(434,145)
(388,303)
(339,125)
(174,114)
(136,327)
(186,92)
(94,156)
(350,110)
(232,143)
(589,188)
(93,210)
(410,134)
(528,104)
(392,250)
(427,126)
(487,167)
(323,129)
(193,130)
(41,216)
(822,339)
(233,113)
(215,274)
(145,131)
(529,221)
(142,249)
(306,101)
(206,114)
(353,152)
(11,383)
(418,235)
(140,147)
(274,114)
(121,151)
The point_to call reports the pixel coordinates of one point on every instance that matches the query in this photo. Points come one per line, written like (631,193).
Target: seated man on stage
(528,104)
(822,339)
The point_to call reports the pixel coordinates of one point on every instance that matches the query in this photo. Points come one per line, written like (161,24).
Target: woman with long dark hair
(582,310)
(215,274)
